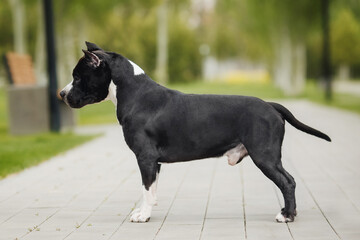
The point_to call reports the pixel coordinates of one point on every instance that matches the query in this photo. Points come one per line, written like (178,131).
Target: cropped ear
(92,47)
(93,60)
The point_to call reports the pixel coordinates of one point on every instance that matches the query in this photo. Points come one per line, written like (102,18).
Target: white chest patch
(112,93)
(137,69)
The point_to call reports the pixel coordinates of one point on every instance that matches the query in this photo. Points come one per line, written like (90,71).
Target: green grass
(3,111)
(20,152)
(97,114)
(339,100)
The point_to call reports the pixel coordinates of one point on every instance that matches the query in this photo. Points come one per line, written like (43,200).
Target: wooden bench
(28,102)
(20,69)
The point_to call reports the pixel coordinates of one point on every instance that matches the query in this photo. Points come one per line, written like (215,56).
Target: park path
(88,192)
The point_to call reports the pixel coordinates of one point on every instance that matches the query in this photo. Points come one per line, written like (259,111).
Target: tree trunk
(40,47)
(290,64)
(161,71)
(344,72)
(18,14)
(283,63)
(299,67)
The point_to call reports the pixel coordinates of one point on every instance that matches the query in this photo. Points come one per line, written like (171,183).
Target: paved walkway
(89,192)
(349,87)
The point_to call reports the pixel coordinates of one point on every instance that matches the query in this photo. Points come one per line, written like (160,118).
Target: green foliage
(184,57)
(226,27)
(225,44)
(253,28)
(133,34)
(314,51)
(345,36)
(130,34)
(249,29)
(6,35)
(128,27)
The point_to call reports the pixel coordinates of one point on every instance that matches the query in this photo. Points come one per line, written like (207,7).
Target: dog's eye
(77,79)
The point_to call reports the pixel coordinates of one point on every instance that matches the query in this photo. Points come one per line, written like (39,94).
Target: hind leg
(270,164)
(293,183)
(288,214)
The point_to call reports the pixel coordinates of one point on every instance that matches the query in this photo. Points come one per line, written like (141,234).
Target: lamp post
(51,66)
(326,57)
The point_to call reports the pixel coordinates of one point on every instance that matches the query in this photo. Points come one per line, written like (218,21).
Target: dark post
(326,61)
(51,67)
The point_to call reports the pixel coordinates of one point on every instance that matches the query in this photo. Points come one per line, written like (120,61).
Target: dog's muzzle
(62,94)
(63,97)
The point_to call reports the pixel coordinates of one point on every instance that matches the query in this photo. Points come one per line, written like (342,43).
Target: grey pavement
(349,87)
(89,192)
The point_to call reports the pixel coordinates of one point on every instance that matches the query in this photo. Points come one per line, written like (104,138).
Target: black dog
(166,126)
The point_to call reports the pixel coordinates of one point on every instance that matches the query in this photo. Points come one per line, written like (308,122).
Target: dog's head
(91,79)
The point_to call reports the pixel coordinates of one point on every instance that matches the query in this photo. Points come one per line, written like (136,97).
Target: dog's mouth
(78,99)
(78,102)
(65,100)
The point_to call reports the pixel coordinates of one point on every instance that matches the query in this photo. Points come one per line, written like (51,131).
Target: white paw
(282,219)
(140,215)
(136,210)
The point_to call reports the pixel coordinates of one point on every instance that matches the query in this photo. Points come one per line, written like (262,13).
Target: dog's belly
(233,155)
(197,147)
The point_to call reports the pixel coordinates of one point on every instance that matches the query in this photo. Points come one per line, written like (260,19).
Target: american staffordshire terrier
(161,125)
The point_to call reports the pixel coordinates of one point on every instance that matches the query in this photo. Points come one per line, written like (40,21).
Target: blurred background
(270,49)
(278,41)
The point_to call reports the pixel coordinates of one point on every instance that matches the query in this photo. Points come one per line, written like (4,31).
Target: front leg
(150,174)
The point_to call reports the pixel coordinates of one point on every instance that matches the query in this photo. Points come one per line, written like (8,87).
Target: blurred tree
(128,27)
(6,36)
(282,33)
(225,31)
(17,28)
(284,26)
(184,56)
(345,42)
(134,35)
(161,71)
(274,31)
(18,18)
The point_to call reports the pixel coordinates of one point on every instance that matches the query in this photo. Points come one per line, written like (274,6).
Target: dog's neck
(123,70)
(130,82)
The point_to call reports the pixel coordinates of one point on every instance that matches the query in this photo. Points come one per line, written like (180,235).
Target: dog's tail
(288,116)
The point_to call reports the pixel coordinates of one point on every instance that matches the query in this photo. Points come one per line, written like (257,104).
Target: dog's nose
(62,94)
